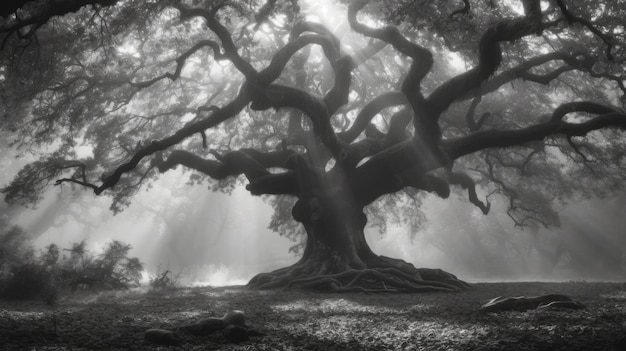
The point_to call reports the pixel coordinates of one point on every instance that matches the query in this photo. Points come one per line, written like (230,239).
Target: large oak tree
(337,125)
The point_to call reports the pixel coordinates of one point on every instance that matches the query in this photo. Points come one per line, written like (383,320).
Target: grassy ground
(307,321)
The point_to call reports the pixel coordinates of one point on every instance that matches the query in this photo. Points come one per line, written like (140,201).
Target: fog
(208,238)
(205,237)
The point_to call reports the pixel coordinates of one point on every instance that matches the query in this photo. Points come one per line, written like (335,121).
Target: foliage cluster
(26,273)
(120,75)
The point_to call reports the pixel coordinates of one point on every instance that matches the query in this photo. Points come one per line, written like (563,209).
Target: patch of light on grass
(334,306)
(452,331)
(123,297)
(292,306)
(17,315)
(390,336)
(616,296)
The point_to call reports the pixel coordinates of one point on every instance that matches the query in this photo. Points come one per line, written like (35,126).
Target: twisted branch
(608,118)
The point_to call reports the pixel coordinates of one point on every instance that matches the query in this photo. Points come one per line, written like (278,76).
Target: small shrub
(164,280)
(25,274)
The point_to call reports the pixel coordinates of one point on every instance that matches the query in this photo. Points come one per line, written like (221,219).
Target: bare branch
(466,182)
(180,62)
(517,208)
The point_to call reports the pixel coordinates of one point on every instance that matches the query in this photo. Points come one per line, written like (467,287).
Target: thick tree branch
(374,107)
(280,59)
(342,65)
(332,51)
(319,111)
(338,95)
(230,110)
(427,129)
(381,183)
(397,127)
(386,165)
(357,151)
(279,96)
(522,70)
(581,106)
(230,50)
(458,147)
(470,119)
(294,129)
(275,184)
(545,79)
(427,182)
(252,163)
(422,58)
(490,56)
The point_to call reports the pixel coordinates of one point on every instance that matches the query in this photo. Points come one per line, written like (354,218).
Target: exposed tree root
(388,275)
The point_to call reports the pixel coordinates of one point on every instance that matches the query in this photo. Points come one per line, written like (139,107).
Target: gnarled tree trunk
(338,258)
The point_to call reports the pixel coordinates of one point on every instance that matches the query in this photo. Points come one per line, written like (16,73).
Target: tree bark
(337,257)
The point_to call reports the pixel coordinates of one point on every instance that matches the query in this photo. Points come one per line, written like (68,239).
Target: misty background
(209,238)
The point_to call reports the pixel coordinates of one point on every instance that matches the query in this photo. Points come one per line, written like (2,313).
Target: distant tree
(122,90)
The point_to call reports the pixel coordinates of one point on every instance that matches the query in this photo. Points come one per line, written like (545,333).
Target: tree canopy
(335,107)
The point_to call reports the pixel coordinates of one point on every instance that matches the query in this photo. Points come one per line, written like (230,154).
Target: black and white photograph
(313,175)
